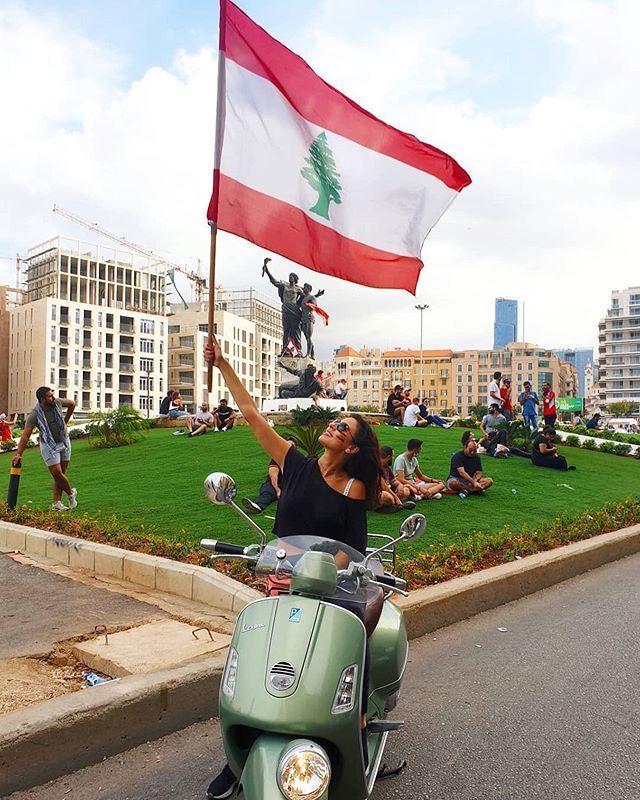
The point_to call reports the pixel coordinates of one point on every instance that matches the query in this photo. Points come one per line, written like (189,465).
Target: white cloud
(550,217)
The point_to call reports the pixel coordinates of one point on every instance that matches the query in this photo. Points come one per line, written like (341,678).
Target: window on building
(53,333)
(147,326)
(146,345)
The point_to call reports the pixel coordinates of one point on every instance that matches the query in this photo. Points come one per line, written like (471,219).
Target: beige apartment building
(472,371)
(448,379)
(92,327)
(427,373)
(253,355)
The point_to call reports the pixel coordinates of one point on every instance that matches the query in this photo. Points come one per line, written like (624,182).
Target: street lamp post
(421,309)
(148,373)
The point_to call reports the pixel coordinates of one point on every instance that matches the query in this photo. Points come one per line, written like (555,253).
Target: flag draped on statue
(303,171)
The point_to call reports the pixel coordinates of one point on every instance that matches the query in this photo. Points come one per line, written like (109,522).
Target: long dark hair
(365,464)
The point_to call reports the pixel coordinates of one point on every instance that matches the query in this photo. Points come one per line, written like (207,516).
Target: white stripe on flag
(386,204)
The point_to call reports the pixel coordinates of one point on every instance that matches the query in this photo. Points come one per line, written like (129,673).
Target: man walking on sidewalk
(55,446)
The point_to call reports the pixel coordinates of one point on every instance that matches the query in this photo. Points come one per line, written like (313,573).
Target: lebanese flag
(303,171)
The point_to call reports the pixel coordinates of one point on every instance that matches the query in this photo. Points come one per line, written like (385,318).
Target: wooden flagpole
(213,212)
(212,298)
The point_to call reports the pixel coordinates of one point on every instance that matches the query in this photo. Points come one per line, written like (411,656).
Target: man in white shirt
(340,392)
(407,470)
(494,391)
(412,416)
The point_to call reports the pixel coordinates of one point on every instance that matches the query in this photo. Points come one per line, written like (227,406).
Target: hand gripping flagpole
(213,208)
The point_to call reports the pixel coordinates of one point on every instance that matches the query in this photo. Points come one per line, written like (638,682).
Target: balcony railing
(63,383)
(125,328)
(87,384)
(64,361)
(87,323)
(126,347)
(87,363)
(64,340)
(127,368)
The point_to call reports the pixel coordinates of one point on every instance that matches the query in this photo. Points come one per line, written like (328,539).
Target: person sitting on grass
(176,407)
(270,490)
(493,436)
(393,495)
(407,471)
(432,419)
(545,454)
(412,418)
(202,421)
(224,416)
(395,406)
(465,472)
(594,423)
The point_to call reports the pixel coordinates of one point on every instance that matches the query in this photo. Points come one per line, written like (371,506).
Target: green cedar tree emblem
(321,175)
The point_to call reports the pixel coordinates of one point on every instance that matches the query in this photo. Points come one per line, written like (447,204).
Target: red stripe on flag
(285,229)
(253,48)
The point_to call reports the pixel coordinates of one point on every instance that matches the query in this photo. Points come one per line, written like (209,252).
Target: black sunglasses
(342,427)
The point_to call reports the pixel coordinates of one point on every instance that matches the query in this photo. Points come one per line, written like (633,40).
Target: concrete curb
(200,584)
(50,739)
(426,610)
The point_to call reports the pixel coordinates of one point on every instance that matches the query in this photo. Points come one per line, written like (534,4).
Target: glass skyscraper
(505,325)
(579,358)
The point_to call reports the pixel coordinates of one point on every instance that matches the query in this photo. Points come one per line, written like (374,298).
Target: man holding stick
(55,446)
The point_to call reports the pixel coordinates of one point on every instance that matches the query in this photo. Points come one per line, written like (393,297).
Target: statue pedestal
(288,403)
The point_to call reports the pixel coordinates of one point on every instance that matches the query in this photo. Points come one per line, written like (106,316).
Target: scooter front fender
(260,774)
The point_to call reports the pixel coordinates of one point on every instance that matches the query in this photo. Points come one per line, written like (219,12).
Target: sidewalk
(41,608)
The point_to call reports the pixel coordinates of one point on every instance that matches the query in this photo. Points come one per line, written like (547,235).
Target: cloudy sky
(108,110)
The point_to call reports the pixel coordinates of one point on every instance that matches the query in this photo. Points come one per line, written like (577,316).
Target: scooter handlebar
(225,548)
(391,580)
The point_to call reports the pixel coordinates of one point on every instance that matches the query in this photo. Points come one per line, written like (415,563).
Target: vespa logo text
(295,614)
(246,628)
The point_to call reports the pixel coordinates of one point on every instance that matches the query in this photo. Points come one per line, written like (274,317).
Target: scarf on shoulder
(43,425)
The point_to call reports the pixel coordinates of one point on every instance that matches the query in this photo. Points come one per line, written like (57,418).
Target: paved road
(39,608)
(546,711)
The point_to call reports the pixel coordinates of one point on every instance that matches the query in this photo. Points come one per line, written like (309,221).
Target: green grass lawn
(158,482)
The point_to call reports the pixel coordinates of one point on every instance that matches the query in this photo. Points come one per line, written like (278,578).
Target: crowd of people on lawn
(221,418)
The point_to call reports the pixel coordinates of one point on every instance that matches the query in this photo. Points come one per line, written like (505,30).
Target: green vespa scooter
(294,686)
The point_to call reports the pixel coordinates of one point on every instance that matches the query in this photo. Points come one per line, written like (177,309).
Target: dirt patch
(26,681)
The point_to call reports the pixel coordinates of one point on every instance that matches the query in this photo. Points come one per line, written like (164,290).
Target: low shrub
(572,441)
(8,444)
(76,433)
(589,444)
(607,447)
(622,449)
(482,550)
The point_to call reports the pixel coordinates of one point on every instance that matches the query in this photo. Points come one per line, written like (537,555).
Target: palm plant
(116,428)
(309,424)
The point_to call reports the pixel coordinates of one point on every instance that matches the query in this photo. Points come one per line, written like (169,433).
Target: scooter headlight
(304,772)
(230,673)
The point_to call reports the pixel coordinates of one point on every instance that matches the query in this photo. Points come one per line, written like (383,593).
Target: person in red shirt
(6,427)
(549,405)
(505,394)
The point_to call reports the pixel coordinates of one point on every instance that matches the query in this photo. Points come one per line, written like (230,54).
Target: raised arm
(273,281)
(275,445)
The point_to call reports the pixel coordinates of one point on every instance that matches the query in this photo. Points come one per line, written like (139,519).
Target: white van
(622,425)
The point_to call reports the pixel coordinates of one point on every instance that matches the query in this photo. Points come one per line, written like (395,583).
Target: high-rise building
(92,327)
(505,325)
(619,348)
(580,358)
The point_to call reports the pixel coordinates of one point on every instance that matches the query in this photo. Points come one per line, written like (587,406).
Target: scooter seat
(373,610)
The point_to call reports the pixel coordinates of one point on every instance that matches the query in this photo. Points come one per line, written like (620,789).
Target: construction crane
(199,283)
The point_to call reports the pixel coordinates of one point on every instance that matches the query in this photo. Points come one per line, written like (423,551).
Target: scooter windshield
(280,556)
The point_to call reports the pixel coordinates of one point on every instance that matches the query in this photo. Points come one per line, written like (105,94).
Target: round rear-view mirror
(220,488)
(413,526)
